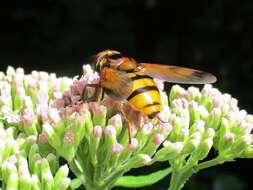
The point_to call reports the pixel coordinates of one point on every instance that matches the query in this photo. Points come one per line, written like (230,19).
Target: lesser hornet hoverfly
(122,78)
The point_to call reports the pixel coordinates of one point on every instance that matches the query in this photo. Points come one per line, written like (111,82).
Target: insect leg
(159,119)
(128,125)
(98,95)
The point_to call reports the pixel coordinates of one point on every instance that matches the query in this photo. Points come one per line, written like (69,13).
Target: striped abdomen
(145,96)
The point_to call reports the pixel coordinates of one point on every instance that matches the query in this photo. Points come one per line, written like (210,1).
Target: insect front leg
(97,94)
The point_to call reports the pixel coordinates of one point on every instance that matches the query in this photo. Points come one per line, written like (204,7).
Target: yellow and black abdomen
(145,96)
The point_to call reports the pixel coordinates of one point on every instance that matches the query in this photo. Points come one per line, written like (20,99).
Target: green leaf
(75,183)
(141,181)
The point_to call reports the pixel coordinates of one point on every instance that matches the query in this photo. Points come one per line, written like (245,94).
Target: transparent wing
(116,84)
(176,74)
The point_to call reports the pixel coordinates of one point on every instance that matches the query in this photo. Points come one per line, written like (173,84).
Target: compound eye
(102,63)
(115,56)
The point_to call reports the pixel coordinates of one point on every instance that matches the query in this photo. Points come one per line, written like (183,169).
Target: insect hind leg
(128,125)
(160,119)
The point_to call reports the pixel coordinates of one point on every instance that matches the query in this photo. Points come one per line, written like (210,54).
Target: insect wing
(116,84)
(176,74)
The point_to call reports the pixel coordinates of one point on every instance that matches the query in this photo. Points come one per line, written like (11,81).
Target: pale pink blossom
(133,144)
(117,148)
(97,132)
(158,139)
(69,137)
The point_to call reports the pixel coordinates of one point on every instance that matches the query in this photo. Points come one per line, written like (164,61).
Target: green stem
(208,164)
(104,182)
(180,176)
(109,182)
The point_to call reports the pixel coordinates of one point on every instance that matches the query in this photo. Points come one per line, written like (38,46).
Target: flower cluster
(46,117)
(25,104)
(208,118)
(22,166)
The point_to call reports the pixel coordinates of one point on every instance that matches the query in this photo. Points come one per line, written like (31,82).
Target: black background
(216,36)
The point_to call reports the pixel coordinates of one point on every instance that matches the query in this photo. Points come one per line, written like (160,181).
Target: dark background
(216,36)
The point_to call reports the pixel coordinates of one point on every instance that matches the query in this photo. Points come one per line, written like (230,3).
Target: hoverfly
(122,78)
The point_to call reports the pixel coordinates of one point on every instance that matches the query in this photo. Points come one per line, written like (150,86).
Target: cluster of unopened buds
(44,118)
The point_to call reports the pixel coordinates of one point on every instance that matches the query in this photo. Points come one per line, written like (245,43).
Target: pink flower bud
(43,138)
(56,86)
(243,113)
(110,131)
(77,87)
(185,132)
(20,91)
(167,128)
(180,91)
(87,70)
(13,118)
(158,139)
(41,112)
(43,76)
(97,109)
(177,103)
(147,128)
(75,99)
(172,118)
(216,112)
(54,115)
(200,125)
(4,86)
(226,98)
(81,85)
(28,101)
(28,116)
(20,70)
(247,139)
(5,97)
(57,94)
(69,137)
(133,128)
(115,120)
(185,103)
(74,88)
(88,75)
(193,93)
(207,89)
(97,132)
(217,101)
(249,118)
(5,110)
(229,136)
(21,136)
(31,82)
(133,145)
(117,148)
(18,80)
(43,87)
(59,103)
(42,98)
(66,93)
(193,104)
(203,111)
(249,127)
(12,159)
(145,159)
(52,76)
